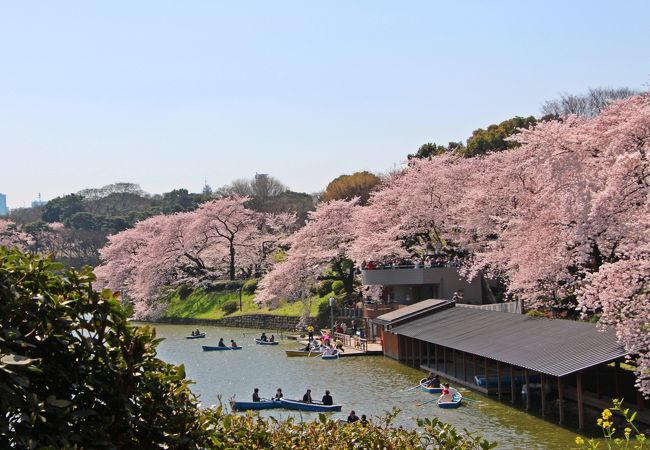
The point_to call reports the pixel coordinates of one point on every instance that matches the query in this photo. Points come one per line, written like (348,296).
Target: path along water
(369,385)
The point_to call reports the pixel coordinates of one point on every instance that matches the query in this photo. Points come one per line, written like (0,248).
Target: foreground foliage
(253,431)
(75,374)
(630,437)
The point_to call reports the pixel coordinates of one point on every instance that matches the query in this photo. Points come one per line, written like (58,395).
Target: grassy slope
(202,305)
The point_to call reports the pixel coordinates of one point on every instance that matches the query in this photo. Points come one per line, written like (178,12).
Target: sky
(167,94)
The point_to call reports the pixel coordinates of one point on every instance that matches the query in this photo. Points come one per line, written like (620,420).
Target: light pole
(332,318)
(240,289)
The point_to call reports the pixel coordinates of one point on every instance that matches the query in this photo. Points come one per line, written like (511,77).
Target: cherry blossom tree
(210,243)
(319,250)
(12,237)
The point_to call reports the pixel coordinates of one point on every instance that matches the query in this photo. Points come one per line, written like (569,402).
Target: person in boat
(327,399)
(256,395)
(352,417)
(221,344)
(193,333)
(263,337)
(435,382)
(328,351)
(307,347)
(233,344)
(278,394)
(446,394)
(364,420)
(272,338)
(307,397)
(197,332)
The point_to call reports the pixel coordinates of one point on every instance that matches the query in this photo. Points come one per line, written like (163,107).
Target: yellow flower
(606,414)
(627,431)
(599,422)
(579,440)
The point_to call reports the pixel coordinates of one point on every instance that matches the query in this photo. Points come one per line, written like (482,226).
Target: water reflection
(369,385)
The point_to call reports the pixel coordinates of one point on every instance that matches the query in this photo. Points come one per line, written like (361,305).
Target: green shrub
(76,374)
(219,286)
(230,306)
(250,286)
(338,287)
(184,291)
(324,288)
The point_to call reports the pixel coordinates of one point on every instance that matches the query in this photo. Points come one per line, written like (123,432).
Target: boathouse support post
(413,352)
(435,351)
(543,393)
(527,381)
(465,366)
(429,355)
(453,355)
(581,416)
(474,365)
(560,399)
(444,355)
(487,376)
(617,384)
(512,385)
(498,380)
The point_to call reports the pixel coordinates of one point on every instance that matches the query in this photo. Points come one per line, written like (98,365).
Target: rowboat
(262,404)
(332,356)
(261,342)
(455,401)
(211,348)
(297,405)
(312,353)
(425,387)
(195,336)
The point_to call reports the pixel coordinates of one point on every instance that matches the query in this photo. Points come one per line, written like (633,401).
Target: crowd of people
(416,262)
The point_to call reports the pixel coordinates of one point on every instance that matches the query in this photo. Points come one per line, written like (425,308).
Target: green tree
(346,187)
(62,208)
(74,373)
(428,150)
(494,137)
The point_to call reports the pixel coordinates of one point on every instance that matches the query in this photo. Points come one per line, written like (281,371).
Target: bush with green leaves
(324,288)
(250,286)
(338,287)
(253,431)
(73,372)
(230,306)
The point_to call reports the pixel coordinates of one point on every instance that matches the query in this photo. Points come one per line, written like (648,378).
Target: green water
(369,385)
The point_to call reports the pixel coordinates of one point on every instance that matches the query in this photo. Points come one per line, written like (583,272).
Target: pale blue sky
(165,93)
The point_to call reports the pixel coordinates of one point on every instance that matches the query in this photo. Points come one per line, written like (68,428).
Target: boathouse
(550,365)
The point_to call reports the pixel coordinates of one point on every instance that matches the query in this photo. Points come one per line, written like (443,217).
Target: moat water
(369,385)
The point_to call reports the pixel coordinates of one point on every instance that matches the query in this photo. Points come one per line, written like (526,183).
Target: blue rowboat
(454,402)
(247,406)
(195,336)
(211,348)
(261,342)
(425,387)
(297,405)
(334,356)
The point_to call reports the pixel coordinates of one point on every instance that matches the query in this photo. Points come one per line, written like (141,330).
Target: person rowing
(221,344)
(263,338)
(256,395)
(307,397)
(233,344)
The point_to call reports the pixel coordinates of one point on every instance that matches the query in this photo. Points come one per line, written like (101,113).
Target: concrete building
(4,211)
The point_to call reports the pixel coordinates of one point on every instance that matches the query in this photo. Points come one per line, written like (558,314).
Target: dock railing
(352,341)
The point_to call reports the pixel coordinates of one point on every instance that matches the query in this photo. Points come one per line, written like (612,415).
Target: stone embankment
(259,321)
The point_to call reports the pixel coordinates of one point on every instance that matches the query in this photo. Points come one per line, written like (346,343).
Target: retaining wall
(260,321)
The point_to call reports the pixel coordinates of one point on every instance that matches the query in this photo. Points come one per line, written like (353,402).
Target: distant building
(39,202)
(4,211)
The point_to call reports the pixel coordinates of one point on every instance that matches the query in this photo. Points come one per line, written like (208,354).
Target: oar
(471,400)
(428,401)
(410,389)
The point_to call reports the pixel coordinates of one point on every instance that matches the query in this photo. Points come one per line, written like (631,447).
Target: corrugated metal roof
(410,310)
(551,346)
